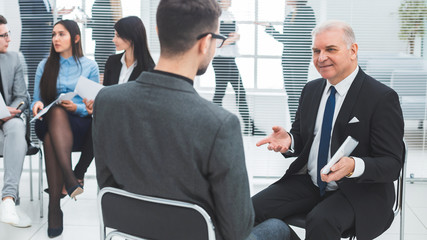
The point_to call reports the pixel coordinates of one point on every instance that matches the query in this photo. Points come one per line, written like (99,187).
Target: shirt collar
(343,86)
(174,75)
(122,59)
(64,60)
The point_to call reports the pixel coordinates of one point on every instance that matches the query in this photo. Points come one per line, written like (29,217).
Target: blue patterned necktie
(325,138)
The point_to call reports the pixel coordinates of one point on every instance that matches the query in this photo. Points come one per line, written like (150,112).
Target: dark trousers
(328,217)
(226,71)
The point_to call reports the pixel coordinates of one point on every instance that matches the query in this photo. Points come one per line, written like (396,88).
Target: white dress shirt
(125,72)
(342,90)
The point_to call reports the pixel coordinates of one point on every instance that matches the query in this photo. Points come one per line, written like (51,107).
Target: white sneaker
(8,212)
(24,220)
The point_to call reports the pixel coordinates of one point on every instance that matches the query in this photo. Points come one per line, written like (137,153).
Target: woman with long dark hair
(130,36)
(65,126)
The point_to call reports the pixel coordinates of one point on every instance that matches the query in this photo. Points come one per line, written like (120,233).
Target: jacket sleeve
(229,182)
(386,141)
(103,174)
(19,89)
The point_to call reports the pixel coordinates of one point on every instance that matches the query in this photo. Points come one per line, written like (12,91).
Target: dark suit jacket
(379,132)
(113,66)
(156,136)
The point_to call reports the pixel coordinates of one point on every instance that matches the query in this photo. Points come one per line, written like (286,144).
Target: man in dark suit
(358,194)
(156,136)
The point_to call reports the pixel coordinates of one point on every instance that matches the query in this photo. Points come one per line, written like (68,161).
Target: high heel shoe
(46,190)
(74,191)
(54,232)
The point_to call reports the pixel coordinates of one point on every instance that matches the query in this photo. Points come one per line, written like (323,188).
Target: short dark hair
(3,20)
(179,22)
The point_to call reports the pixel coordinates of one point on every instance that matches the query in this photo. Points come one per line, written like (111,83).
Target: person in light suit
(358,194)
(156,136)
(13,144)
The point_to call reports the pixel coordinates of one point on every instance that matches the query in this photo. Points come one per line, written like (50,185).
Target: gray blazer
(12,75)
(156,136)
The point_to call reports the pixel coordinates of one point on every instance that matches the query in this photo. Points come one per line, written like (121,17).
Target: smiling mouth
(325,66)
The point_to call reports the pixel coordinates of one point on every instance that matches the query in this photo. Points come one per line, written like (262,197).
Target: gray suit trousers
(14,148)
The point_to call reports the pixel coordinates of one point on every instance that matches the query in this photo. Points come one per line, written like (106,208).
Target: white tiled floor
(81,219)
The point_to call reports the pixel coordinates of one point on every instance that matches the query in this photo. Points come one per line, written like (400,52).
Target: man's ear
(77,39)
(354,48)
(205,43)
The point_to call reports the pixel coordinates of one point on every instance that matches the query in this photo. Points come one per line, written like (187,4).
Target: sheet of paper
(62,97)
(87,88)
(43,111)
(65,96)
(4,112)
(344,151)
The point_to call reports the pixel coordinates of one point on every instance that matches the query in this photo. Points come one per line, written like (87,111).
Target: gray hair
(348,37)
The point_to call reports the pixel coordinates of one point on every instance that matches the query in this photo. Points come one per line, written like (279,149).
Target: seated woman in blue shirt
(65,126)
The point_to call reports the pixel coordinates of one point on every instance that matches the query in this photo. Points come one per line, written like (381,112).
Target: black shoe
(54,232)
(46,190)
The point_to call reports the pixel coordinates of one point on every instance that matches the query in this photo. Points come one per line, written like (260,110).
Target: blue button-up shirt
(69,74)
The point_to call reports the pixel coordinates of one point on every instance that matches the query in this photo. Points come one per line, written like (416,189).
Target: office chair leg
(41,182)
(31,179)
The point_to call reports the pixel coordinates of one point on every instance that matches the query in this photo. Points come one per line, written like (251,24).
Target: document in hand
(4,112)
(344,151)
(62,97)
(87,88)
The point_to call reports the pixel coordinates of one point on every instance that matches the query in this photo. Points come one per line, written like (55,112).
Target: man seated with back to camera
(156,136)
(357,196)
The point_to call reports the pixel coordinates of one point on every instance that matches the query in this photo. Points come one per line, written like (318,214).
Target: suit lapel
(116,71)
(5,75)
(314,106)
(346,109)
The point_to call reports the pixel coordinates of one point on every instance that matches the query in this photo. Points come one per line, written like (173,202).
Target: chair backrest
(151,217)
(411,86)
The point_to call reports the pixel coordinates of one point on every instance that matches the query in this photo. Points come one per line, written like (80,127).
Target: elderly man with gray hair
(357,195)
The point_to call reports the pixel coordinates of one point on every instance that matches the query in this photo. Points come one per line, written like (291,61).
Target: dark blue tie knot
(333,91)
(325,137)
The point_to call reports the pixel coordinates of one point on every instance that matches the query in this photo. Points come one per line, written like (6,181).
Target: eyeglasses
(220,39)
(6,35)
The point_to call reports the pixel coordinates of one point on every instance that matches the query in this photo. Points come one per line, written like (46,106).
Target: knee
(260,211)
(316,222)
(56,110)
(14,126)
(272,229)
